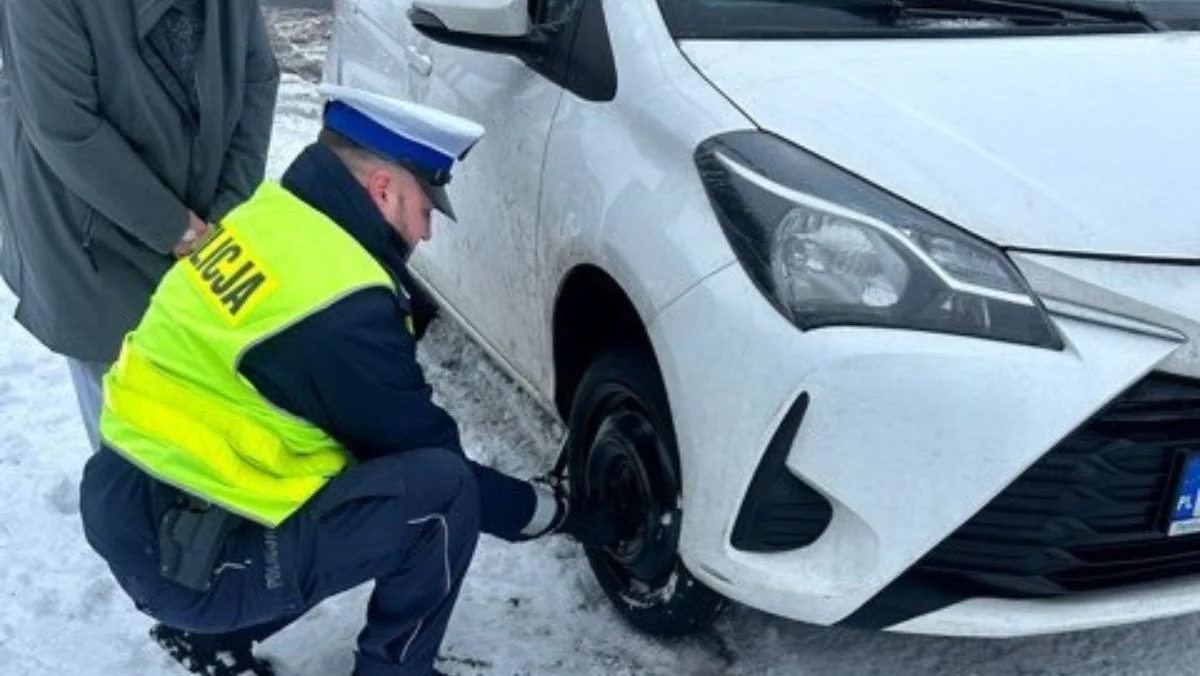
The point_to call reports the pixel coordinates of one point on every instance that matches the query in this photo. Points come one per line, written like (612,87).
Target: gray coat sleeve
(246,159)
(53,86)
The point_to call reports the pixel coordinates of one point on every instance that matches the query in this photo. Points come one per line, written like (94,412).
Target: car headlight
(828,248)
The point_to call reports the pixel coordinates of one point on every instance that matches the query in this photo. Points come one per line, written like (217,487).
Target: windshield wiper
(1041,12)
(1022,12)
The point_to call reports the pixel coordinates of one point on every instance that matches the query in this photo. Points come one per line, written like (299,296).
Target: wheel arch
(592,314)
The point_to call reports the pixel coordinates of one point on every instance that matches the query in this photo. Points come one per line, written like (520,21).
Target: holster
(191,536)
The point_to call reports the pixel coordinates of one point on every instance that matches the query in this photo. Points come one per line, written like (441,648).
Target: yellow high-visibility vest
(175,403)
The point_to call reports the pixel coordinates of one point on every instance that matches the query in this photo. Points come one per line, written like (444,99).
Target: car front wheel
(623,451)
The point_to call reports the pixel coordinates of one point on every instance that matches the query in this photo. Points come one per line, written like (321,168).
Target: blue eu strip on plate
(1186,517)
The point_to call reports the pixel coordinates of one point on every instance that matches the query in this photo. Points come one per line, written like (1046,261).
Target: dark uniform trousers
(409,522)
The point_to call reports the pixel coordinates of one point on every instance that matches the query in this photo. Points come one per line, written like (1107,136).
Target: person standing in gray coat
(126,128)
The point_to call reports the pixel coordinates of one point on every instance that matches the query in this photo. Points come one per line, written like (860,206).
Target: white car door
(485,265)
(373,48)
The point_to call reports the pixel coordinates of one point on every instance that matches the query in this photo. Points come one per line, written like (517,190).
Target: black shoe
(198,657)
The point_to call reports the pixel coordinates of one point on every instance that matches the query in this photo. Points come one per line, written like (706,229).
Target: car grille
(1088,515)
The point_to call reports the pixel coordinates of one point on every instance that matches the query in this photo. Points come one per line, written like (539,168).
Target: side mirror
(496,26)
(483,18)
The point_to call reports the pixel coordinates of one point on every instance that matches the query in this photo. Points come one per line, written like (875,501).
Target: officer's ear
(377,182)
(384,189)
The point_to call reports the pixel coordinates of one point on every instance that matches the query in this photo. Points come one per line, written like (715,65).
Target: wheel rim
(629,467)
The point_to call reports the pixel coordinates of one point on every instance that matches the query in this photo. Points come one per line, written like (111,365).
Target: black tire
(623,450)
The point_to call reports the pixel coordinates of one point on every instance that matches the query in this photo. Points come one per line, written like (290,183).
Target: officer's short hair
(355,156)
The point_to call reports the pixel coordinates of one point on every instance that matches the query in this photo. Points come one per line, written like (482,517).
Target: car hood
(1085,144)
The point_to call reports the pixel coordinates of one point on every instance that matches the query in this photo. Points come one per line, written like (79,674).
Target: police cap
(425,141)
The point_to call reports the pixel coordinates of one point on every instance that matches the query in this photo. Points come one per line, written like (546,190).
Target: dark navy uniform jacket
(351,369)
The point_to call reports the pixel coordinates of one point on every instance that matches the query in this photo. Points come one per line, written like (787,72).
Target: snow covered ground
(529,609)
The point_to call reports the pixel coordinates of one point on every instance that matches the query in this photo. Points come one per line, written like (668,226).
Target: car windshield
(766,19)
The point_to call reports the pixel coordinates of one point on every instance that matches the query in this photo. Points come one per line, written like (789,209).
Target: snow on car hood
(1086,144)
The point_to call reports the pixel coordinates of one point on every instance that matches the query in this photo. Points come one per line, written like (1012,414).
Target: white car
(881,314)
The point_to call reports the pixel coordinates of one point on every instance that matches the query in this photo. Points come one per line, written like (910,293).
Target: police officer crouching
(269,437)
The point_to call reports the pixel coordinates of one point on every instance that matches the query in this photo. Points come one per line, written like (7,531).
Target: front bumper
(904,436)
(1012,618)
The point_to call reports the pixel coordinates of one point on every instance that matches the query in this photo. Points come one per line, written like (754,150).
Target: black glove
(424,311)
(421,307)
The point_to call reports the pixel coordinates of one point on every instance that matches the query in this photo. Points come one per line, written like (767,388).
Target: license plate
(1185,519)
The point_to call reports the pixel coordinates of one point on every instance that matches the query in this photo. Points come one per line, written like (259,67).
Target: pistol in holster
(191,537)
